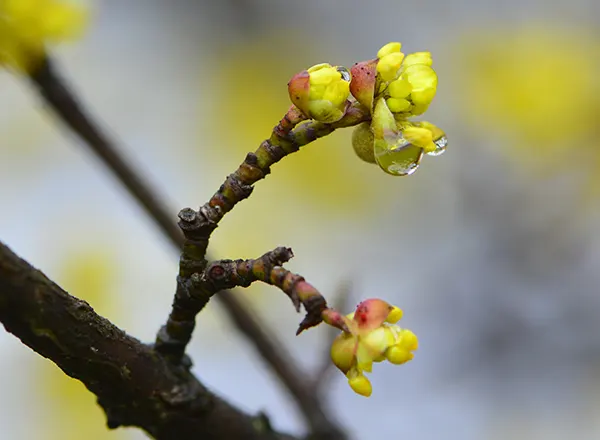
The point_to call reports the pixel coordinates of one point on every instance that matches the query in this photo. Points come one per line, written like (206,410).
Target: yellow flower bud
(398,105)
(400,88)
(395,315)
(389,66)
(423,80)
(389,49)
(342,351)
(418,58)
(398,355)
(360,384)
(408,339)
(421,137)
(321,92)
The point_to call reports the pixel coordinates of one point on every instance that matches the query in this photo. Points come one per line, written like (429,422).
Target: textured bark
(134,385)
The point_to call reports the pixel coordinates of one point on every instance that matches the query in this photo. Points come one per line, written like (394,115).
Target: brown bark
(135,386)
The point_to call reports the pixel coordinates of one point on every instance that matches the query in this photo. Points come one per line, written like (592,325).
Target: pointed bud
(362,86)
(371,313)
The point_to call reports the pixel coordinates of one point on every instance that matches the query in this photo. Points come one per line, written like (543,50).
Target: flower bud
(390,60)
(362,86)
(371,313)
(360,384)
(321,92)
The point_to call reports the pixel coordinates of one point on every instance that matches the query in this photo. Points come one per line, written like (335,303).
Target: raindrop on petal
(401,159)
(346,76)
(440,145)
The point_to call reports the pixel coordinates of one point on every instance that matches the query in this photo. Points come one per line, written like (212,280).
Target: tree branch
(197,226)
(135,387)
(57,95)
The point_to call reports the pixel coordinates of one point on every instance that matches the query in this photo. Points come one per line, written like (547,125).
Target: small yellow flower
(390,60)
(26,26)
(414,90)
(408,84)
(372,336)
(321,92)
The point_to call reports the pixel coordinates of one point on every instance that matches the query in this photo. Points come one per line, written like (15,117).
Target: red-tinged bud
(371,313)
(299,90)
(362,86)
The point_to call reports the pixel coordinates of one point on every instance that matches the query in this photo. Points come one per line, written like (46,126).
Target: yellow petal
(395,314)
(389,65)
(398,355)
(397,105)
(388,49)
(418,58)
(421,137)
(400,88)
(360,384)
(343,352)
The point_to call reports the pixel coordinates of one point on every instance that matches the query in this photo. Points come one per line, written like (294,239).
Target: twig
(62,101)
(133,385)
(197,226)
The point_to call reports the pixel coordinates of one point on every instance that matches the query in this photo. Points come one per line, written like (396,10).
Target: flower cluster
(394,88)
(27,25)
(369,335)
(391,88)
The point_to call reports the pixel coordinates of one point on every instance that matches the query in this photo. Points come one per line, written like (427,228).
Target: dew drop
(441,145)
(401,159)
(346,76)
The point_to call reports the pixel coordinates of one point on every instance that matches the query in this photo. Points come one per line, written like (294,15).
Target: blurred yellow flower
(537,87)
(26,26)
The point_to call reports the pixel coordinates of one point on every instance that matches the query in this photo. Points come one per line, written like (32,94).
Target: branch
(285,139)
(62,101)
(197,226)
(226,274)
(134,386)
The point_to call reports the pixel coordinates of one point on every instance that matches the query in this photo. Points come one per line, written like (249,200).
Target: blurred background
(490,249)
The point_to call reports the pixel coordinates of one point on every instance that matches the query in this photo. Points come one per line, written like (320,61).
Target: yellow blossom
(321,92)
(372,337)
(26,26)
(390,60)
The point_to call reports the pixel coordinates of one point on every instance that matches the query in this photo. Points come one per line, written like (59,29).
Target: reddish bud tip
(362,86)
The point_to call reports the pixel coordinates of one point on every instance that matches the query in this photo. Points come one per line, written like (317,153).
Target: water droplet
(346,76)
(441,145)
(399,159)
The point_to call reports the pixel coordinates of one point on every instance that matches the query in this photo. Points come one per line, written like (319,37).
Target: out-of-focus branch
(134,386)
(63,102)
